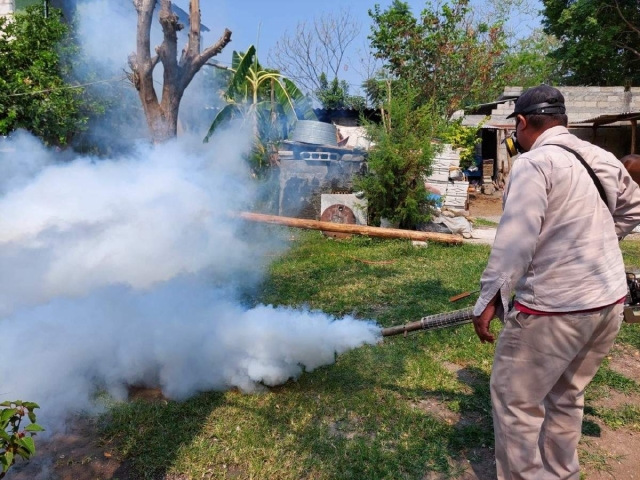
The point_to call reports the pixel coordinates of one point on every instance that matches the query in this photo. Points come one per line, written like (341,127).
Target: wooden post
(350,228)
(634,127)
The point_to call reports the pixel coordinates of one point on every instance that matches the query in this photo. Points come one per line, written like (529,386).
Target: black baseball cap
(540,100)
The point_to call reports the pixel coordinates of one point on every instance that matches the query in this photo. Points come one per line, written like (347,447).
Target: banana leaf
(224,115)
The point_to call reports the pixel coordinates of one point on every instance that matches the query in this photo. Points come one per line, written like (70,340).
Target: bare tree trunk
(162,114)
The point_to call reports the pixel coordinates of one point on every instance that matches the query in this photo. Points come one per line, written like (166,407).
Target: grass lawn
(392,411)
(483,222)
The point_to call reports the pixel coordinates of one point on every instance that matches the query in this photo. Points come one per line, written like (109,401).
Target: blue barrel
(318,133)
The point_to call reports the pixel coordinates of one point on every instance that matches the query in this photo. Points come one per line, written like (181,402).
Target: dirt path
(489,207)
(613,453)
(485,206)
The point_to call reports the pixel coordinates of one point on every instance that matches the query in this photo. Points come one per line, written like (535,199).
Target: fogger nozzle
(432,322)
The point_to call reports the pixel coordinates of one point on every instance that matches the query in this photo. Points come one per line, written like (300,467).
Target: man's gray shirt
(557,242)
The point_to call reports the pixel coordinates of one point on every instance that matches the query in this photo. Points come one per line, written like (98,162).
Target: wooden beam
(634,128)
(353,229)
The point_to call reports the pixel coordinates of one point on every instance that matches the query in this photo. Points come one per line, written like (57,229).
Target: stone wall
(583,103)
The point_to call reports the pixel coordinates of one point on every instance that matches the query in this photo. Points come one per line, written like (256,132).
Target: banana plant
(270,102)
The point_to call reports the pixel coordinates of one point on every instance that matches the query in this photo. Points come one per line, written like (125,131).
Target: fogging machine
(460,317)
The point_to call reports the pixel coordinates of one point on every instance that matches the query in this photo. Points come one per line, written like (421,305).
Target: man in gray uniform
(557,247)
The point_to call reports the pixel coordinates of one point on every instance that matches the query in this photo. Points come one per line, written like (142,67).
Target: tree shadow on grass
(336,422)
(382,430)
(362,427)
(151,435)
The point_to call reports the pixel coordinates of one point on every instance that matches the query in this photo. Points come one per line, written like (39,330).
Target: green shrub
(14,441)
(399,161)
(463,138)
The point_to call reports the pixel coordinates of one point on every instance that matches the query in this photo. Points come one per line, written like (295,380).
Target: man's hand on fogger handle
(483,322)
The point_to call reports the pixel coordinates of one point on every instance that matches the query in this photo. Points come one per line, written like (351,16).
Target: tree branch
(143,38)
(168,51)
(627,47)
(194,28)
(141,63)
(154,61)
(217,65)
(208,54)
(627,22)
(315,48)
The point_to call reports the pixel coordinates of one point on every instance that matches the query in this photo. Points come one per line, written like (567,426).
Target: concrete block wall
(302,182)
(584,103)
(7,7)
(588,102)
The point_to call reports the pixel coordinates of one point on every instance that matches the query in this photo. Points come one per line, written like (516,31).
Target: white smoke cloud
(136,221)
(123,271)
(107,29)
(127,271)
(182,337)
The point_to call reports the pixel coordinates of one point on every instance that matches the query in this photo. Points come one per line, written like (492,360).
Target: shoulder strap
(592,174)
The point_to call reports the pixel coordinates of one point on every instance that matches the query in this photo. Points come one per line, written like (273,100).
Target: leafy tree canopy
(528,63)
(34,62)
(335,94)
(600,40)
(450,59)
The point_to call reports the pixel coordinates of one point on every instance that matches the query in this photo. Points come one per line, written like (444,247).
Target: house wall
(616,140)
(583,103)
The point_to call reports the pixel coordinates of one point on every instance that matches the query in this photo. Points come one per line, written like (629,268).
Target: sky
(263,22)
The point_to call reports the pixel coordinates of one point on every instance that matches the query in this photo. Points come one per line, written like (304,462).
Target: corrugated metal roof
(606,119)
(483,108)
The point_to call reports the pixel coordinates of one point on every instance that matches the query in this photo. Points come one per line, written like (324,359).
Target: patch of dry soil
(625,360)
(75,455)
(612,454)
(478,464)
(483,206)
